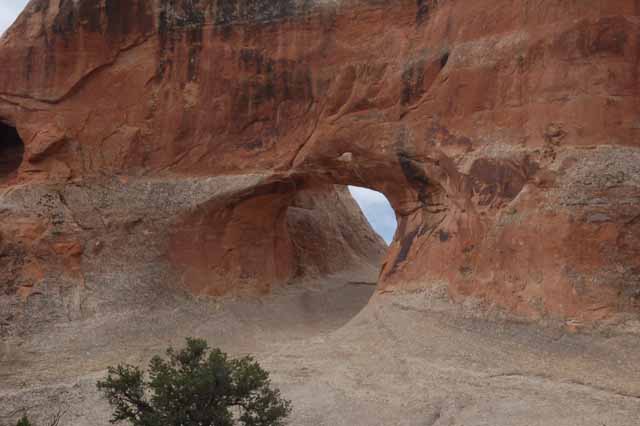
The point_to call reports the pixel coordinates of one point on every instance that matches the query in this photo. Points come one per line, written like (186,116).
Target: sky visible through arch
(374,205)
(378,211)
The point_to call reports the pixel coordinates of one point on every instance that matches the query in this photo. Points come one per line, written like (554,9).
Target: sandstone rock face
(199,143)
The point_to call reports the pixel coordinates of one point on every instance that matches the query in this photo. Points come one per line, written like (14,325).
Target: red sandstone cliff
(199,142)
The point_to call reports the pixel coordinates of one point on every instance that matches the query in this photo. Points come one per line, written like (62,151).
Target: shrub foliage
(194,386)
(24,421)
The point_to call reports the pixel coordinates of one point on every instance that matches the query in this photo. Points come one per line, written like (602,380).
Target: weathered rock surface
(198,143)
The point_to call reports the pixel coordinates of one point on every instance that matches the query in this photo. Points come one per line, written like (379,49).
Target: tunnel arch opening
(301,239)
(340,237)
(11,152)
(330,231)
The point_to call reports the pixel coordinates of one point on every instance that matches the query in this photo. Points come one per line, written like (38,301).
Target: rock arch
(513,179)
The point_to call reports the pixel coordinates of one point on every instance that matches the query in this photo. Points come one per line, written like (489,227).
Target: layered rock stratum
(157,148)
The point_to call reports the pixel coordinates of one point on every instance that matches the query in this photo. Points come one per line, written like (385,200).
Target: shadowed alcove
(11,151)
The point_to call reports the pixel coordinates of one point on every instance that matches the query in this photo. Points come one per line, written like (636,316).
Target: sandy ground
(402,360)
